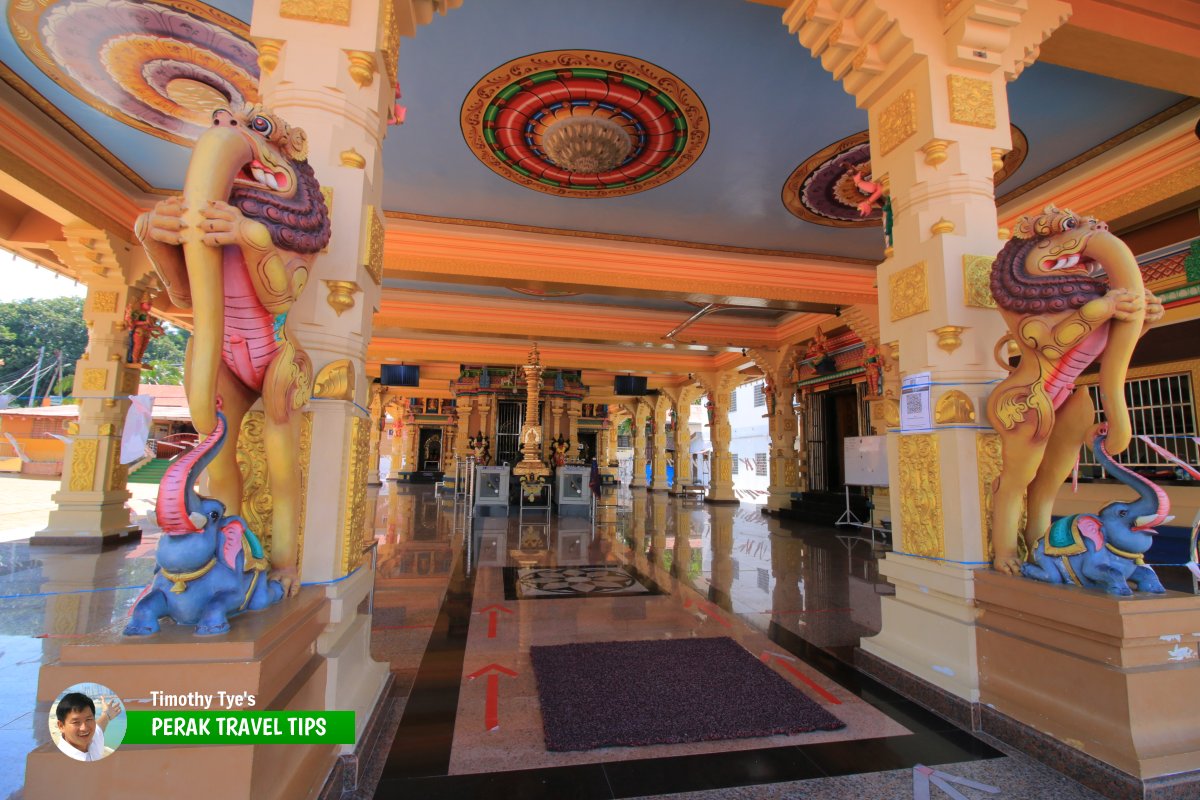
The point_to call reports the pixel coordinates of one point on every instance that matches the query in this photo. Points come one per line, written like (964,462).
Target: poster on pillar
(915,409)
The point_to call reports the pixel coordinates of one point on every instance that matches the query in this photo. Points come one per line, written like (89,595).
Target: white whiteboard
(866,460)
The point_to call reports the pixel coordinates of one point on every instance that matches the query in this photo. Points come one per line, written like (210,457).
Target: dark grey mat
(609,694)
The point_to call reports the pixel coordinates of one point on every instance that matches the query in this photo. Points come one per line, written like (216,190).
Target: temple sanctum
(497,310)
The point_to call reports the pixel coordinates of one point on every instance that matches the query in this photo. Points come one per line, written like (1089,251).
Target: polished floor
(460,600)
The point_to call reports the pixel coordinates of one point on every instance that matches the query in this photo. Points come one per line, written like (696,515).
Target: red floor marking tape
(767,656)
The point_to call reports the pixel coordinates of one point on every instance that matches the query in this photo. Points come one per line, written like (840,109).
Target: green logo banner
(240,727)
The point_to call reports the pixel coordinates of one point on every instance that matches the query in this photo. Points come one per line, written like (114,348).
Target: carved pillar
(463,432)
(934,87)
(640,414)
(574,409)
(680,401)
(487,426)
(395,444)
(554,412)
(411,441)
(781,423)
(662,405)
(449,439)
(613,423)
(378,422)
(90,504)
(719,386)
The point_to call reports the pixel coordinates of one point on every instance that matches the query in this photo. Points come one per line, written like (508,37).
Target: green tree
(28,325)
(165,355)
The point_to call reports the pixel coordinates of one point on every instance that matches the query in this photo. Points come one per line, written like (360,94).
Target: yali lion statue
(1071,293)
(236,247)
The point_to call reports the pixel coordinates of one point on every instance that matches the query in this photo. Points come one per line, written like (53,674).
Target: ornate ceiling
(703,107)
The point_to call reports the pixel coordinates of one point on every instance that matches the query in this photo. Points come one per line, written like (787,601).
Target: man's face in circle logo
(78,728)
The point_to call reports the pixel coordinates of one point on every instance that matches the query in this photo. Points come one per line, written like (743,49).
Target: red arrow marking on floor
(494,609)
(491,714)
(768,655)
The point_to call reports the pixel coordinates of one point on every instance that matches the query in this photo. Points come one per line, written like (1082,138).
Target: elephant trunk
(218,157)
(1123,273)
(177,498)
(1152,506)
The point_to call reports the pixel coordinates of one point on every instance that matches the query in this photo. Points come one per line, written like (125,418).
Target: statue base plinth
(1108,676)
(272,654)
(535,468)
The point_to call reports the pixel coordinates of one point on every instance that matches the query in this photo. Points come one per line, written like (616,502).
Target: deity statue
(482,449)
(143,328)
(818,354)
(873,367)
(1071,293)
(237,247)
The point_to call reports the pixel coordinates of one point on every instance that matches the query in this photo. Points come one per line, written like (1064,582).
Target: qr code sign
(914,403)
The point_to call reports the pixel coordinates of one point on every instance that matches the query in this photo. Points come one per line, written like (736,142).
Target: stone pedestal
(1111,677)
(272,654)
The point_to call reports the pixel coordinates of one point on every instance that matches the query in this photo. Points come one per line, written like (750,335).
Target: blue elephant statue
(1105,550)
(209,566)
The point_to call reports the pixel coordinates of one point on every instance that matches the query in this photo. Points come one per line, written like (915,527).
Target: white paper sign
(915,409)
(137,428)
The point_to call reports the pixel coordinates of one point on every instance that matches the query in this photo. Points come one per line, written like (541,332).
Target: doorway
(834,415)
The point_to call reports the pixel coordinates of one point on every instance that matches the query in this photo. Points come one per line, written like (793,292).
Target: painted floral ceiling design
(507,114)
(160,66)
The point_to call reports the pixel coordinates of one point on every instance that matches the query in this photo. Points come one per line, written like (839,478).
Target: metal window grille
(1161,407)
(760,395)
(760,463)
(509,418)
(764,579)
(815,432)
(735,459)
(733,401)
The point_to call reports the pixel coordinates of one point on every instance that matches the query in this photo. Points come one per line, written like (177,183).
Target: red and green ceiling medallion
(581,123)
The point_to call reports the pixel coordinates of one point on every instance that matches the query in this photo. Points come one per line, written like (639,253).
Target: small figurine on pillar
(873,368)
(143,328)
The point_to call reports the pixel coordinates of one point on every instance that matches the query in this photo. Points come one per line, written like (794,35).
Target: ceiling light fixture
(588,144)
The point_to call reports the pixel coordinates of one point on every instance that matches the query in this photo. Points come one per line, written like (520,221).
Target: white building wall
(750,444)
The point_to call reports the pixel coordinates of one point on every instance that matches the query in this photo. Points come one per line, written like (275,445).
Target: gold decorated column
(662,404)
(681,398)
(463,432)
(90,504)
(777,367)
(574,409)
(641,412)
(934,85)
(397,446)
(331,70)
(719,387)
(378,422)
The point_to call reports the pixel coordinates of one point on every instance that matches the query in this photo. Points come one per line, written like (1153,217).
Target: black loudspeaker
(629,385)
(400,375)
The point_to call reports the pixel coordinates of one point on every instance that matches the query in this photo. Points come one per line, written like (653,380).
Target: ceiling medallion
(590,144)
(160,66)
(581,123)
(822,189)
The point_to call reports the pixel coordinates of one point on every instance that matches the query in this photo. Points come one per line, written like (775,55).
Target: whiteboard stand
(848,517)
